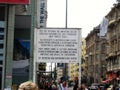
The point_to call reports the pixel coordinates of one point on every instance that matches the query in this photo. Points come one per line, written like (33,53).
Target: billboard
(14,1)
(57,45)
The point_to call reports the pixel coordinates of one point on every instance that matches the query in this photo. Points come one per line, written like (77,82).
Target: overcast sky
(85,14)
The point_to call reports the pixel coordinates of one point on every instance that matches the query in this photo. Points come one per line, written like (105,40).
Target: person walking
(83,87)
(75,86)
(54,86)
(59,84)
(64,86)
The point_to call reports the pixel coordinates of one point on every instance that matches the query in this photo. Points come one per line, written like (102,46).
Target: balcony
(111,23)
(2,24)
(111,54)
(90,53)
(86,55)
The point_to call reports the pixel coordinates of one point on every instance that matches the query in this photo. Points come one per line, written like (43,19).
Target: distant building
(95,56)
(83,61)
(17,24)
(73,71)
(113,40)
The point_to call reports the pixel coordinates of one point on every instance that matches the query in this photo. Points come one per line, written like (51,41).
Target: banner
(14,1)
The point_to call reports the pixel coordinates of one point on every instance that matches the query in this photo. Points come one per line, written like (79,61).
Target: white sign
(57,45)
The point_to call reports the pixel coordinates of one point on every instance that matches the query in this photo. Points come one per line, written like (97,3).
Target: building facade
(17,24)
(113,38)
(73,71)
(83,61)
(95,56)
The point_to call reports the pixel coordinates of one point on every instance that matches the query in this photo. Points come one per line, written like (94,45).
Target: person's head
(28,86)
(59,81)
(83,85)
(64,84)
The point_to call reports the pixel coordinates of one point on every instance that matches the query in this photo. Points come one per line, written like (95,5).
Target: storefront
(7,20)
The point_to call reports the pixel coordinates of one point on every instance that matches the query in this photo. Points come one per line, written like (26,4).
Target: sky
(85,14)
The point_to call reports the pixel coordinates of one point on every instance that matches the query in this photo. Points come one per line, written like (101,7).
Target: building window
(103,47)
(102,57)
(2,13)
(96,69)
(1,30)
(1,37)
(1,46)
(1,62)
(98,34)
(97,46)
(97,57)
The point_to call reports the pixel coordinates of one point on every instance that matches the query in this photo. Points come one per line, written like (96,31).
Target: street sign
(14,1)
(57,45)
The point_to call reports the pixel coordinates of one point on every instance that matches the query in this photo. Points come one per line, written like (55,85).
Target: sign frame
(76,38)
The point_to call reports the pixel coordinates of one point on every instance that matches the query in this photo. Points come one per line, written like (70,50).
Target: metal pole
(55,72)
(35,55)
(51,70)
(64,71)
(80,44)
(66,12)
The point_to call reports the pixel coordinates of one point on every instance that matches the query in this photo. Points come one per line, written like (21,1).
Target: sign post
(58,45)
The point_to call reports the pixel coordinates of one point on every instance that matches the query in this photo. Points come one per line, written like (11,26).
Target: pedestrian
(76,85)
(48,86)
(54,87)
(64,86)
(28,86)
(83,87)
(59,84)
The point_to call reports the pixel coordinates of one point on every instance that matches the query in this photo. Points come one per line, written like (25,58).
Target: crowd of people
(44,86)
(60,85)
